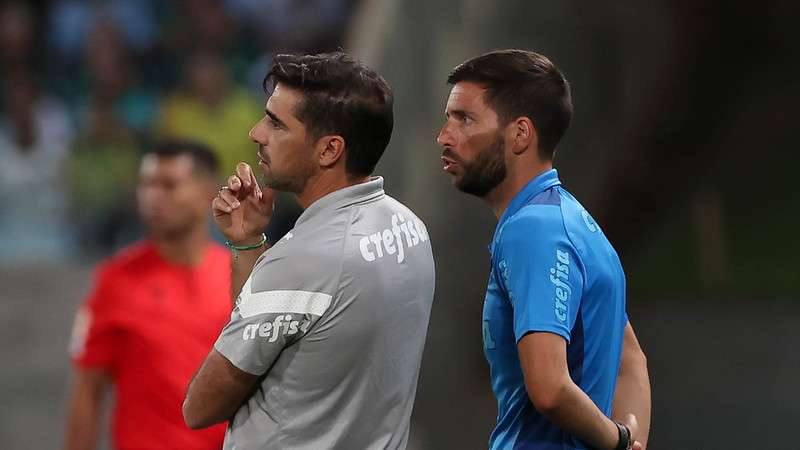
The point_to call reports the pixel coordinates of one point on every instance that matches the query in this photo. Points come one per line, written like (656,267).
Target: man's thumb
(268,196)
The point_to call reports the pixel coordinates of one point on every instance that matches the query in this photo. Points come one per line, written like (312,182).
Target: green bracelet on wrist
(239,248)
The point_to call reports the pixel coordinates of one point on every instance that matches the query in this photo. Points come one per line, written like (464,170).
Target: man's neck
(516,180)
(323,185)
(187,249)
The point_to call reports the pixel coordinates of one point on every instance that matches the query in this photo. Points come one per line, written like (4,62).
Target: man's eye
(273,123)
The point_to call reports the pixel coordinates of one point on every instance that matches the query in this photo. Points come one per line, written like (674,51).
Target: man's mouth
(262,159)
(448,163)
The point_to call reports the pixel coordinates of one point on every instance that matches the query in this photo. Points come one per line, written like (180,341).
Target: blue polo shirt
(553,270)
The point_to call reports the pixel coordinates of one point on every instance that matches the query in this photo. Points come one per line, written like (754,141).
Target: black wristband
(624,437)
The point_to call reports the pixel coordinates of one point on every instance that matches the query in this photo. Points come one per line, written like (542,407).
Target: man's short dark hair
(522,83)
(204,160)
(340,96)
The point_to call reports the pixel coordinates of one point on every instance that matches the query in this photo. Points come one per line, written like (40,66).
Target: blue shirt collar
(539,184)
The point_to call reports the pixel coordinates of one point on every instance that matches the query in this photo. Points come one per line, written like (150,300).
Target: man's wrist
(625,440)
(250,243)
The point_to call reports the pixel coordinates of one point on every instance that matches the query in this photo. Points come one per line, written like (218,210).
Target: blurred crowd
(86,85)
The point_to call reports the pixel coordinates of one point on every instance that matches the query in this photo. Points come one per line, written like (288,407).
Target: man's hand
(241,209)
(633,425)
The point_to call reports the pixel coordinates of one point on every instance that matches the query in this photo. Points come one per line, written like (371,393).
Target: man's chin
(471,188)
(164,232)
(458,183)
(280,185)
(294,183)
(152,226)
(159,235)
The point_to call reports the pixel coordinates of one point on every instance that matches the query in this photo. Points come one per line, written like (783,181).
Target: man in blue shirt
(563,358)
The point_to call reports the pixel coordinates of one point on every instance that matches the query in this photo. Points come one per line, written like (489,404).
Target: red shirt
(150,324)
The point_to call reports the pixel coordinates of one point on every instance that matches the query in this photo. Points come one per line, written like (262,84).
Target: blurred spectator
(290,26)
(301,26)
(34,133)
(205,26)
(71,23)
(212,110)
(208,19)
(75,26)
(17,46)
(113,83)
(114,114)
(102,176)
(16,37)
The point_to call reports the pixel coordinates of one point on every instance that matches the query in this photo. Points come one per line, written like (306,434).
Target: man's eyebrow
(455,112)
(274,117)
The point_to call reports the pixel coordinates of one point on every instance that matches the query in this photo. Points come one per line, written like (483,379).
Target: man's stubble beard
(295,184)
(486,171)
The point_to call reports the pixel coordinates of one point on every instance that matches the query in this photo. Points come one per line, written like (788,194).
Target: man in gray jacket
(325,341)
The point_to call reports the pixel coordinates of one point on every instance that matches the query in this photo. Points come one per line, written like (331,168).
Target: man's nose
(252,133)
(257,134)
(444,138)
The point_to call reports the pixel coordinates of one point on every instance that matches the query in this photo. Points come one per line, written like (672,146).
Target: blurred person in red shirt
(155,309)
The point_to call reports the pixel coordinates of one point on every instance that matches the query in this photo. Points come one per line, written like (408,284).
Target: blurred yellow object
(223,126)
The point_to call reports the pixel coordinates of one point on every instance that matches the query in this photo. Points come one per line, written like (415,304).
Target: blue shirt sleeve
(540,271)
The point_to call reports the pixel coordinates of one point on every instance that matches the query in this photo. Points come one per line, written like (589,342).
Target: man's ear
(522,135)
(330,149)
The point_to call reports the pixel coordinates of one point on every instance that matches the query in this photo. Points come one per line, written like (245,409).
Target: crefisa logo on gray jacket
(390,240)
(281,325)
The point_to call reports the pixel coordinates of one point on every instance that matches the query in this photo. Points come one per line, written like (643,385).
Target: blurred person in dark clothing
(154,310)
(236,45)
(112,81)
(209,19)
(16,36)
(563,357)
